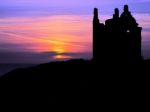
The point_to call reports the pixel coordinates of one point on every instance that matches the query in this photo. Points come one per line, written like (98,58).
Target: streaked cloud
(48,33)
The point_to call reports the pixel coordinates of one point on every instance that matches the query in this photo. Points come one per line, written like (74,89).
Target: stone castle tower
(118,39)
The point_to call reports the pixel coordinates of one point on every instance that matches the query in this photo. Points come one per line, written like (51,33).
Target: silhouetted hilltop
(77,68)
(53,69)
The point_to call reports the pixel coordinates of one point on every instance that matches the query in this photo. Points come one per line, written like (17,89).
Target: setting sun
(59,50)
(59,47)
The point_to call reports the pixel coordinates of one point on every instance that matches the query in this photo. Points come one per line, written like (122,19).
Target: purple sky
(45,7)
(36,31)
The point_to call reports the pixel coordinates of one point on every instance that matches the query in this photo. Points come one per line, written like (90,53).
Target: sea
(5,68)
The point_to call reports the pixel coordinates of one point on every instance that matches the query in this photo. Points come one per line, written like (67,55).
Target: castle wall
(116,40)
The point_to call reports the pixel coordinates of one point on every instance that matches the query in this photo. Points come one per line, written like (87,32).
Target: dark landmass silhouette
(117,75)
(78,82)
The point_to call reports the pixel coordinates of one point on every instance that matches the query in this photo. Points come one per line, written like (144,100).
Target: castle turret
(98,29)
(116,14)
(96,15)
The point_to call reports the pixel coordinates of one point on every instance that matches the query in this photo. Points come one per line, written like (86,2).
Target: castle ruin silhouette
(118,39)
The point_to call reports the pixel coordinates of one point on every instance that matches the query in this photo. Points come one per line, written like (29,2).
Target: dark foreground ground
(79,83)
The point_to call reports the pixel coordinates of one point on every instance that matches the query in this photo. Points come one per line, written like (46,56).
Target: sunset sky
(39,31)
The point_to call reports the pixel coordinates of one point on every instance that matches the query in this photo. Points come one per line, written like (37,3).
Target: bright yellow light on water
(60,57)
